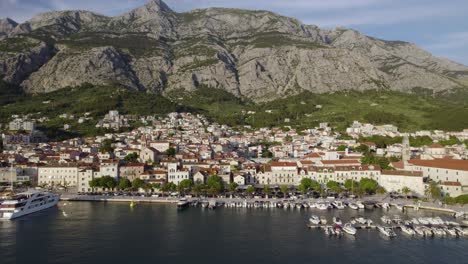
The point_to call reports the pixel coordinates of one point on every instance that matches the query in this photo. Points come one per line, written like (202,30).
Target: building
(59,174)
(21,124)
(395,181)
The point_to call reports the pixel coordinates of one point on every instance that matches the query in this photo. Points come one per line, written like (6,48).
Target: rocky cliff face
(256,54)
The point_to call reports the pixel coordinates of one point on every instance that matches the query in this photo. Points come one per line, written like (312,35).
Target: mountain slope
(254,54)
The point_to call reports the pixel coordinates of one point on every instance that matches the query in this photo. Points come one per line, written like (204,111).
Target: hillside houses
(267,156)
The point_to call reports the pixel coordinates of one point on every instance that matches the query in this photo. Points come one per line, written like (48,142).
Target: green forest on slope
(409,112)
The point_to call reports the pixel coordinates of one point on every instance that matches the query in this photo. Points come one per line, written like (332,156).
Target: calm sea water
(115,233)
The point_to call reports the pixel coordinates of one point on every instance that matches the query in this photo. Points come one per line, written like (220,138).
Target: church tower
(405,151)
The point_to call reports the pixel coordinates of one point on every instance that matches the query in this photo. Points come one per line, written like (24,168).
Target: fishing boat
(387,231)
(349,229)
(27,203)
(315,220)
(407,230)
(353,206)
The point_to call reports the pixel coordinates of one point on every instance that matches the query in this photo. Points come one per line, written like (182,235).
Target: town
(184,151)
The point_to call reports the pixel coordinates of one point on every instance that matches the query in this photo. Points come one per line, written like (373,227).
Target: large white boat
(27,203)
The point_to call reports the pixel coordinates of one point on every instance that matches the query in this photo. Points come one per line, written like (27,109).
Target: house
(149,155)
(131,171)
(239,180)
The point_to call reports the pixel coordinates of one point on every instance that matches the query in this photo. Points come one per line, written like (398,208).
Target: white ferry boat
(27,203)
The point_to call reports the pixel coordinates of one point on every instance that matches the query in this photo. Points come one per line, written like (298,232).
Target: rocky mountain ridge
(254,54)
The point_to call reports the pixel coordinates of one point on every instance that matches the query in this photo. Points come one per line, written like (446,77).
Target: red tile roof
(403,173)
(450,164)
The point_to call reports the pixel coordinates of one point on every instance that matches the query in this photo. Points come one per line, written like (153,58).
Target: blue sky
(440,27)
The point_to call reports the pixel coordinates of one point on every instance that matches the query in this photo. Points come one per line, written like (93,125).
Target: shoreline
(168,200)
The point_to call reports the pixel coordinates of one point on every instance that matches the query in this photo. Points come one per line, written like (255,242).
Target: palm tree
(406,191)
(284,189)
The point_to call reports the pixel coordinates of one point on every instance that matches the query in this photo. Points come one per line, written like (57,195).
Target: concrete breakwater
(405,204)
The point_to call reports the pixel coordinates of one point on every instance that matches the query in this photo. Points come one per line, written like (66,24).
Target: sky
(438,26)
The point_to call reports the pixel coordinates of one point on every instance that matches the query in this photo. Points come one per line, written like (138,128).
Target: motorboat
(451,231)
(423,221)
(353,206)
(387,231)
(439,232)
(330,231)
(419,230)
(182,204)
(407,230)
(369,205)
(315,220)
(415,221)
(323,220)
(338,230)
(312,205)
(386,220)
(322,206)
(399,207)
(397,219)
(385,206)
(27,203)
(338,205)
(337,221)
(298,206)
(361,220)
(360,205)
(349,229)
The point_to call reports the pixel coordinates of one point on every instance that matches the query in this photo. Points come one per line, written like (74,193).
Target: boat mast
(11,176)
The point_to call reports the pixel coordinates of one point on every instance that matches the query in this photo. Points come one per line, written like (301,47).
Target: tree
(266,189)
(199,188)
(380,190)
(185,185)
(284,189)
(94,183)
(267,154)
(362,148)
(433,191)
(405,190)
(138,184)
(341,148)
(215,185)
(124,184)
(106,146)
(368,186)
(305,186)
(351,184)
(232,187)
(334,186)
(171,152)
(250,190)
(132,157)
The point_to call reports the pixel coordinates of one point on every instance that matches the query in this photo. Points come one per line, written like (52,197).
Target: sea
(87,232)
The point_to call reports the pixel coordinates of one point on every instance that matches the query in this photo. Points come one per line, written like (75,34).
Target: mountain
(253,54)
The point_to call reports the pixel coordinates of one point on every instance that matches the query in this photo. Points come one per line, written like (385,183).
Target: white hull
(10,216)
